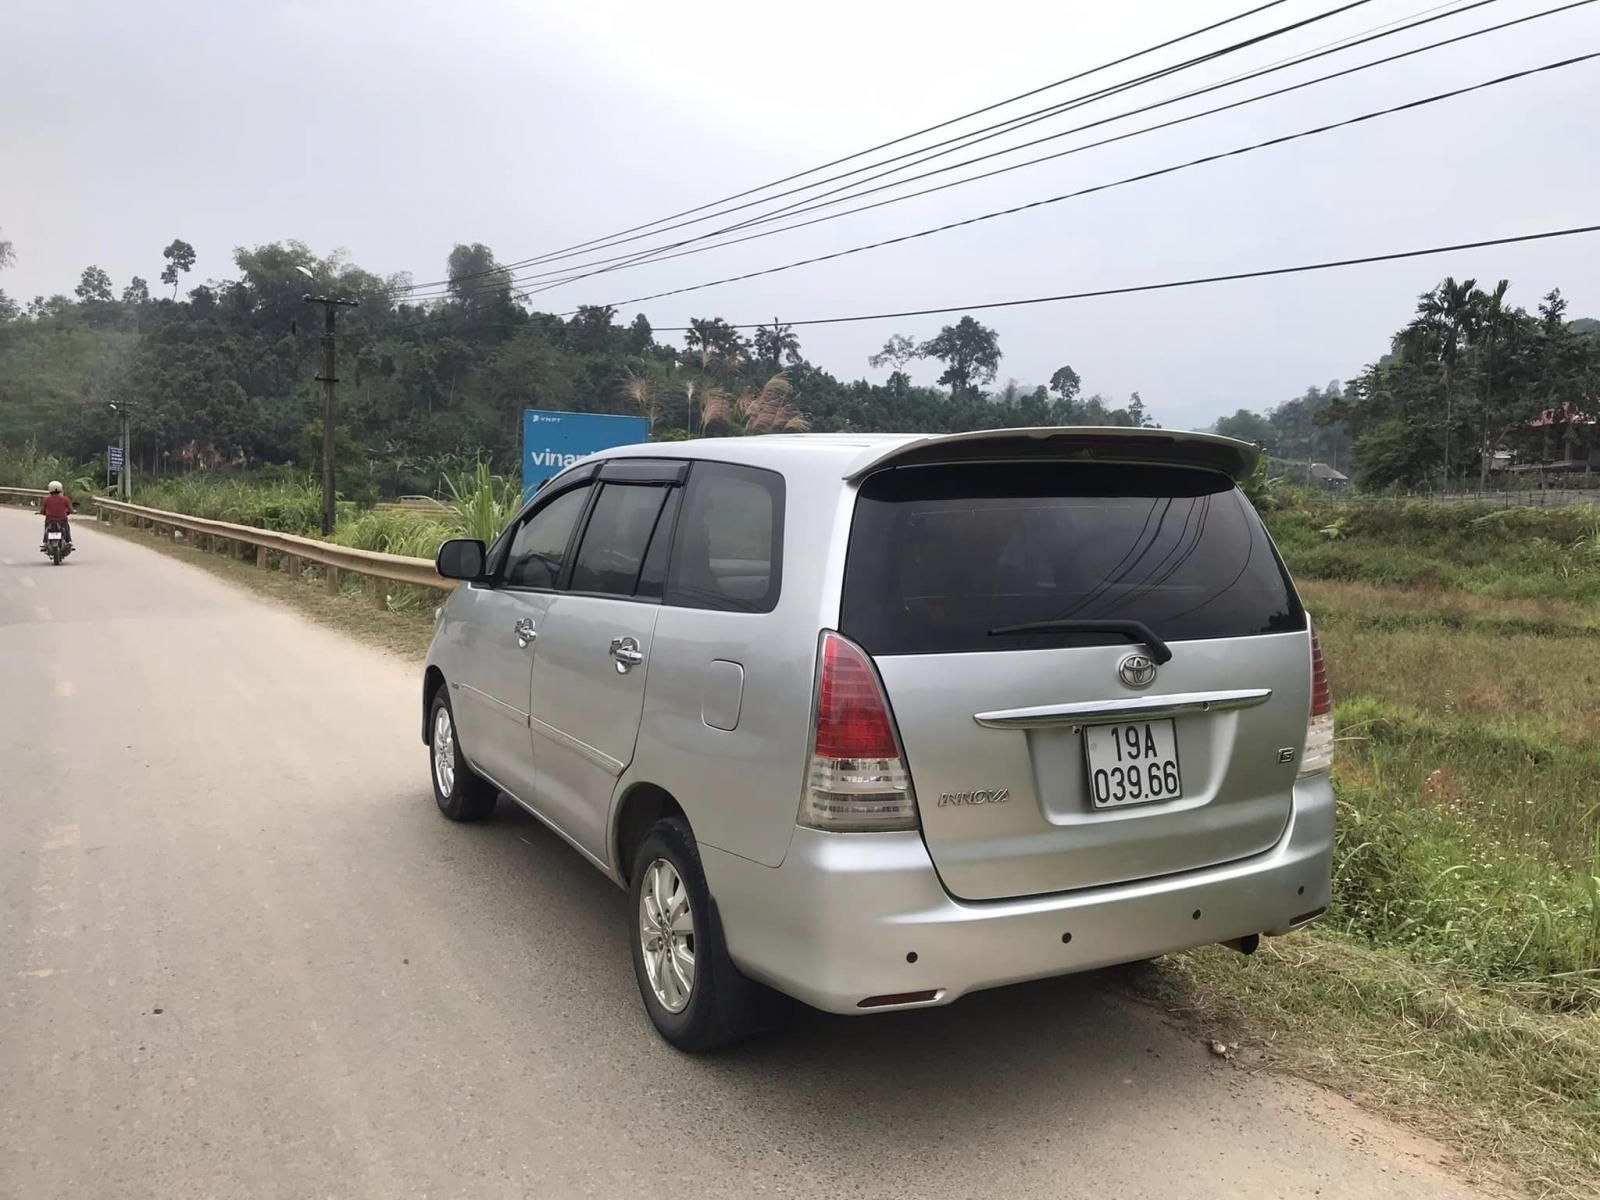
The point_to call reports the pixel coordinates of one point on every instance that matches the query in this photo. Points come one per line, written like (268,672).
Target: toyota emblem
(1137,670)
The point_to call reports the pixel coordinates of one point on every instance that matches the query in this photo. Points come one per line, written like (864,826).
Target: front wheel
(696,997)
(462,794)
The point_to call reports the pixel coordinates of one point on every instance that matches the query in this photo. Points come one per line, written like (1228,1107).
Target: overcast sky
(393,129)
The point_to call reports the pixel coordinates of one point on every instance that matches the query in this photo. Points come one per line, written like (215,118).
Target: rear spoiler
(1232,458)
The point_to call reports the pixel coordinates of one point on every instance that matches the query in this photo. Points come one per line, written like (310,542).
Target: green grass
(1514,553)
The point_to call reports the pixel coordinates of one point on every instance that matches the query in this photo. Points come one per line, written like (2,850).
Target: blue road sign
(554,440)
(114,458)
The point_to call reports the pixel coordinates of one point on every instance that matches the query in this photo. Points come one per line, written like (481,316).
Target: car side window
(615,540)
(538,550)
(728,553)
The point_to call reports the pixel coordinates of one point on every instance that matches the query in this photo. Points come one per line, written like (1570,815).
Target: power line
(1009,125)
(561,276)
(1209,158)
(812,203)
(1236,276)
(625,261)
(621,236)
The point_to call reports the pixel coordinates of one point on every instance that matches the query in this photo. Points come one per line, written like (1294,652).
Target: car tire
(461,793)
(719,1006)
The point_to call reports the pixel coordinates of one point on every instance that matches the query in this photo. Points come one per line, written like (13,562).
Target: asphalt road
(243,956)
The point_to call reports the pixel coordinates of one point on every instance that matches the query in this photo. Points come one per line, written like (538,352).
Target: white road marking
(40,611)
(64,687)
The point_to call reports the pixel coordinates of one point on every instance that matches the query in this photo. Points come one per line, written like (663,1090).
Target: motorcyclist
(57,506)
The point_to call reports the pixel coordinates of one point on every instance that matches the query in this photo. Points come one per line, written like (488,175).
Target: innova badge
(1137,670)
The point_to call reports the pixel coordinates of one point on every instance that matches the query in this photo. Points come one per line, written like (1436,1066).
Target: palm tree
(777,342)
(1445,317)
(1491,316)
(702,339)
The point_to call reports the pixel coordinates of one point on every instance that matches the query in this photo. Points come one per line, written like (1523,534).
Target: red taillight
(856,780)
(1321,697)
(1318,753)
(852,716)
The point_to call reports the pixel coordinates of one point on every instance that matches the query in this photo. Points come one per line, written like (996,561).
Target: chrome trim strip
(482,695)
(1088,712)
(599,758)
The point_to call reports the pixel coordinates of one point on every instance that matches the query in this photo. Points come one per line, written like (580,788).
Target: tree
(475,281)
(713,339)
(8,307)
(896,352)
(137,291)
(8,254)
(1136,413)
(640,336)
(1064,382)
(777,342)
(970,353)
(1247,427)
(592,328)
(1438,332)
(94,287)
(180,259)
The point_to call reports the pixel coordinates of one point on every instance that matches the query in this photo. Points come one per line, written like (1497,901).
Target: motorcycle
(55,541)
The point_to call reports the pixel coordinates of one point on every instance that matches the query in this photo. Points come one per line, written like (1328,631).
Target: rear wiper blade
(1136,631)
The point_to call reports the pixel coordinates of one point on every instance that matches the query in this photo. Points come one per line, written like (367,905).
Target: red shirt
(55,508)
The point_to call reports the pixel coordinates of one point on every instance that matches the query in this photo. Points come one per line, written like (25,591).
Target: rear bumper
(835,923)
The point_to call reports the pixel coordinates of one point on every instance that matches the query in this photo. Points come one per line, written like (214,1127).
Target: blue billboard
(552,441)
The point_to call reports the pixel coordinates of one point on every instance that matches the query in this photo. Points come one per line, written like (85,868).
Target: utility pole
(330,307)
(125,479)
(124,413)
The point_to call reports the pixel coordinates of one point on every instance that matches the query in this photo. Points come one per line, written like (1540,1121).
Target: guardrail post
(331,573)
(261,557)
(294,566)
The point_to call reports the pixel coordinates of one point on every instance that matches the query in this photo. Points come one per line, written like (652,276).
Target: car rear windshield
(941,556)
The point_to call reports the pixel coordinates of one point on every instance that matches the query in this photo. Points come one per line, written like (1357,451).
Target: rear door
(594,647)
(1007,605)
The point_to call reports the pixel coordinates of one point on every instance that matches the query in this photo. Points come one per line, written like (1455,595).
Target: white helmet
(55,487)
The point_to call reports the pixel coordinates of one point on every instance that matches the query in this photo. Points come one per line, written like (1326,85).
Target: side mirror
(461,558)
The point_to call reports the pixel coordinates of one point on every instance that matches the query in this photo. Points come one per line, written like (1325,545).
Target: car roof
(852,455)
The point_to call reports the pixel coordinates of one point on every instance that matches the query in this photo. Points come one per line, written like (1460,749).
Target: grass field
(1456,979)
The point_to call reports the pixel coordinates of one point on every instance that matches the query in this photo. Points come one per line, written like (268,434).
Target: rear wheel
(696,997)
(462,794)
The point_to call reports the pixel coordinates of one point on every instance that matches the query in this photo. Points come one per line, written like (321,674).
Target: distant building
(1560,441)
(1328,477)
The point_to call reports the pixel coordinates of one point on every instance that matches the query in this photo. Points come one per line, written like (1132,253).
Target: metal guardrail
(293,550)
(8,493)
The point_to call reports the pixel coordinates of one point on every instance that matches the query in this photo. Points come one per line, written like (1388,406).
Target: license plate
(54,537)
(1135,763)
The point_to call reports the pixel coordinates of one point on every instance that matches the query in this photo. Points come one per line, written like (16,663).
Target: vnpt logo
(552,458)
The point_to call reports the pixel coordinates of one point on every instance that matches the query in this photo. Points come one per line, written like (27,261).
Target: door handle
(525,632)
(627,653)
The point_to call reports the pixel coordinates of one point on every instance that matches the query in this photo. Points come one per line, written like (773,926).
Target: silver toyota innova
(879,720)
